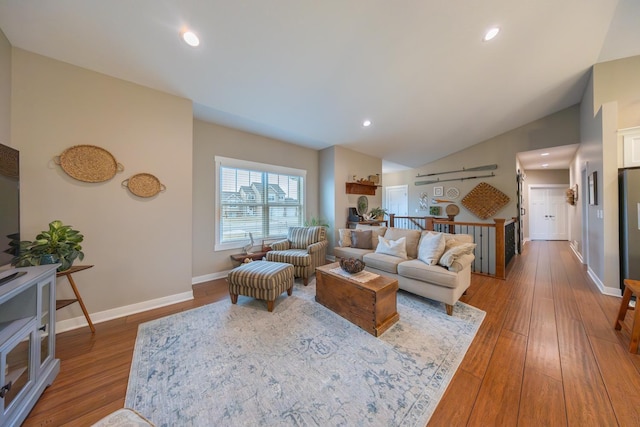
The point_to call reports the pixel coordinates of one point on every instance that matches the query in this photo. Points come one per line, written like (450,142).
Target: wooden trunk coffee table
(370,305)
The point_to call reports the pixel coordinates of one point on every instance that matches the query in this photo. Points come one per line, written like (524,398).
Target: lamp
(249,246)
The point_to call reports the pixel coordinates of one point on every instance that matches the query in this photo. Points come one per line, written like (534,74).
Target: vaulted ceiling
(310,72)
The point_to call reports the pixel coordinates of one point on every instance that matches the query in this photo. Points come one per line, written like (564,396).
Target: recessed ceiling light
(366,123)
(545,165)
(491,34)
(190,38)
(544,154)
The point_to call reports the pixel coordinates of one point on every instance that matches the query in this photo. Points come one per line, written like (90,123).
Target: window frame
(228,162)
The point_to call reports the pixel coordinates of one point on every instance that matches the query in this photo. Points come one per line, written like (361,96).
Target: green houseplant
(378,213)
(60,243)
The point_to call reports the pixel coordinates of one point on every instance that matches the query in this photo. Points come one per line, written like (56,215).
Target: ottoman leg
(306,281)
(270,306)
(290,290)
(234,298)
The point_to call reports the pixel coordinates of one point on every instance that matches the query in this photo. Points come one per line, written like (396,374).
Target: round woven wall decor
(88,163)
(144,185)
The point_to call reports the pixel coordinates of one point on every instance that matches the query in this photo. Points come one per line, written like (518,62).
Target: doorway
(397,200)
(548,219)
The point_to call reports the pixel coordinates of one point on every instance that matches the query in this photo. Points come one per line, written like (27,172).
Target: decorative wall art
(88,163)
(484,201)
(424,201)
(434,210)
(143,185)
(452,193)
(438,191)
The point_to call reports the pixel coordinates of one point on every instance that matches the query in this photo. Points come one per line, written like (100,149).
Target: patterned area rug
(301,365)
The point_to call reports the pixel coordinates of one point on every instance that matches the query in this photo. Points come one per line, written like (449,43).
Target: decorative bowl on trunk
(352,265)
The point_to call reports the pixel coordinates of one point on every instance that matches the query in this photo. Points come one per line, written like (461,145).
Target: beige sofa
(445,281)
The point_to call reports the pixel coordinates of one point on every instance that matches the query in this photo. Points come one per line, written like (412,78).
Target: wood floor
(545,355)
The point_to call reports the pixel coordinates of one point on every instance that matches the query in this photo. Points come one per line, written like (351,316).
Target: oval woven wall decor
(88,163)
(484,201)
(144,185)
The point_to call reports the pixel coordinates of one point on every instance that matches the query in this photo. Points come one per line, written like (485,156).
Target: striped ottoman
(262,280)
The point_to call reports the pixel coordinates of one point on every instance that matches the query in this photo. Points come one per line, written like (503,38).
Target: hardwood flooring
(546,354)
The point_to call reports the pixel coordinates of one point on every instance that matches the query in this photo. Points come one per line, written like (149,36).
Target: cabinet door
(17,369)
(631,150)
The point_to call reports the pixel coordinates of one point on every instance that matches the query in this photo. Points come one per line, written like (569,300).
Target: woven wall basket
(88,163)
(484,201)
(144,185)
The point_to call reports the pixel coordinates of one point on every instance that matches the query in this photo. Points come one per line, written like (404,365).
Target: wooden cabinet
(27,340)
(360,188)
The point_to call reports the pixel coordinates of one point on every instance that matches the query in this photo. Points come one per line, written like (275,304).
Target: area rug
(301,365)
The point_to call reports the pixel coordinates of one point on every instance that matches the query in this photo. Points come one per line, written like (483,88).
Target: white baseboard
(576,253)
(103,316)
(615,292)
(209,277)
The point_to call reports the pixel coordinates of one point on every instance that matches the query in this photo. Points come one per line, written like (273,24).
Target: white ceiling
(548,158)
(309,72)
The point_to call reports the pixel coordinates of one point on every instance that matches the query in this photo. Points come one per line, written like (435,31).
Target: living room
(49,105)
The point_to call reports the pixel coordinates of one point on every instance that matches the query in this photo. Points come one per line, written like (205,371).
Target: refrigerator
(629,211)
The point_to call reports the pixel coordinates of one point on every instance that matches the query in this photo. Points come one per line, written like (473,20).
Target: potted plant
(60,243)
(378,213)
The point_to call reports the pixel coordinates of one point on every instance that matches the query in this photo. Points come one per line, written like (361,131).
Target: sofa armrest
(462,262)
(318,246)
(281,245)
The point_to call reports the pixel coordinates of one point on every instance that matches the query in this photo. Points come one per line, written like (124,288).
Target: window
(256,198)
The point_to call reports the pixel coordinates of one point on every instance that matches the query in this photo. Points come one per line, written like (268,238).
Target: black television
(9,206)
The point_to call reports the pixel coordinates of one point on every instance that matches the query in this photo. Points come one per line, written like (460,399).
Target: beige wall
(618,81)
(5,90)
(561,128)
(141,248)
(210,140)
(345,164)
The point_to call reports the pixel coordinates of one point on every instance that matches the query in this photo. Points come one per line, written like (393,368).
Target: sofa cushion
(432,274)
(387,263)
(412,238)
(431,248)
(454,250)
(345,237)
(396,248)
(462,262)
(376,231)
(350,252)
(361,239)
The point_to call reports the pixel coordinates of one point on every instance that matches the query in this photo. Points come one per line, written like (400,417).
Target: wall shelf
(360,188)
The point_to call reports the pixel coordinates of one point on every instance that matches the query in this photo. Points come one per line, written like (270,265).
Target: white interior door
(548,214)
(397,200)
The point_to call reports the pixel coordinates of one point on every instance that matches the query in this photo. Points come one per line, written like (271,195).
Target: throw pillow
(431,248)
(451,255)
(361,239)
(345,237)
(397,248)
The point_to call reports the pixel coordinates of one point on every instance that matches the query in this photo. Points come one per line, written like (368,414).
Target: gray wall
(561,128)
(210,140)
(5,90)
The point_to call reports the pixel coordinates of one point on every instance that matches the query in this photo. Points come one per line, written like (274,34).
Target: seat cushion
(292,256)
(434,274)
(351,252)
(388,263)
(261,274)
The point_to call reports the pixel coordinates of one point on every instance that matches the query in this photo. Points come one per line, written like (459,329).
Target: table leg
(84,309)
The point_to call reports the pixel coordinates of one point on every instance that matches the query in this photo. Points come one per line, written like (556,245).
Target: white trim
(115,313)
(615,292)
(209,277)
(576,253)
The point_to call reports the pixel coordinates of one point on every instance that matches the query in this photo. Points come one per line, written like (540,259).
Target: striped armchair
(305,248)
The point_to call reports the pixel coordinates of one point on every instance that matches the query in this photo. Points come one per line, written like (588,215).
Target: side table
(254,256)
(65,302)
